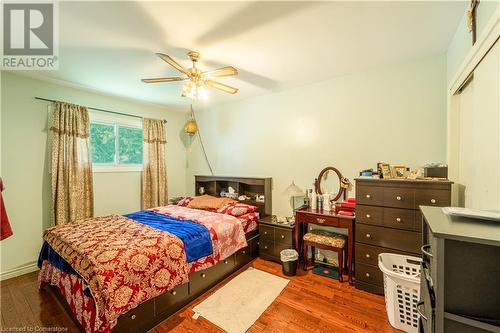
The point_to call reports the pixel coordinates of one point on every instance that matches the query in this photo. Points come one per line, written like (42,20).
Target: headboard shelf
(242,185)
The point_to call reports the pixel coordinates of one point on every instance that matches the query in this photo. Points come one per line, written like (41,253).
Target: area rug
(237,305)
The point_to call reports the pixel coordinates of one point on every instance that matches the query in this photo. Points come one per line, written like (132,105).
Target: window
(115,146)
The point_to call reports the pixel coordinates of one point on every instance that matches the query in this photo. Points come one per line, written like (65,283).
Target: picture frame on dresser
(388,219)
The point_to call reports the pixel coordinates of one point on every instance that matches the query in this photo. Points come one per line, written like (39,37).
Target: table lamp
(293,191)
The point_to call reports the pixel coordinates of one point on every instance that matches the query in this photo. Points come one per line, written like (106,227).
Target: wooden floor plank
(309,304)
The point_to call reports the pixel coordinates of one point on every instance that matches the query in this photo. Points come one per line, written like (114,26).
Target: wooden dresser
(388,219)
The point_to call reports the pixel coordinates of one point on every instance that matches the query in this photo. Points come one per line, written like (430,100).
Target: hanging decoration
(191,126)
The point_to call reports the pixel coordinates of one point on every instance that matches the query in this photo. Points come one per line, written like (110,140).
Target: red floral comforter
(124,263)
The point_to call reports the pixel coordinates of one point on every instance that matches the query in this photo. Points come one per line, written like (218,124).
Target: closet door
(479,153)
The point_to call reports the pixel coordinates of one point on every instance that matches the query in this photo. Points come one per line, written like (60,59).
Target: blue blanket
(196,237)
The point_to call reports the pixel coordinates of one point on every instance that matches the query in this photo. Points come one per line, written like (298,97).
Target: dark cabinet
(460,274)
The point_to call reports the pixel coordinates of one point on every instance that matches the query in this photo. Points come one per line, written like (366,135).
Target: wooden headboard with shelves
(243,186)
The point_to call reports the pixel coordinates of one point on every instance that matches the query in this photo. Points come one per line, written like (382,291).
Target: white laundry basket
(401,289)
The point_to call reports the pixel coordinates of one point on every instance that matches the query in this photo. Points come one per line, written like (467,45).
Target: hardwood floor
(309,303)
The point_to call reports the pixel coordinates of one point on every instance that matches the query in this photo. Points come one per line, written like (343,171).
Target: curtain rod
(97,109)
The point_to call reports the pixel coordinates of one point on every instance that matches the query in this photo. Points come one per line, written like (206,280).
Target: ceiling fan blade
(221,86)
(163,79)
(224,71)
(169,60)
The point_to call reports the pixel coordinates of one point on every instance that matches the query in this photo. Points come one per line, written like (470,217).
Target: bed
(125,274)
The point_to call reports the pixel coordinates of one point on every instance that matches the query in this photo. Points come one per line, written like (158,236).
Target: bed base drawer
(167,303)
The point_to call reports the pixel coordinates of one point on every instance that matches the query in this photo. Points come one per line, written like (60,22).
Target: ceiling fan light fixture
(196,82)
(195,90)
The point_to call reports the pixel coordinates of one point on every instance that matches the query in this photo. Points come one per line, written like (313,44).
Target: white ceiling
(110,46)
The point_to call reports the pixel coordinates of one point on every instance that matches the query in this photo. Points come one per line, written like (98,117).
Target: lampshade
(294,191)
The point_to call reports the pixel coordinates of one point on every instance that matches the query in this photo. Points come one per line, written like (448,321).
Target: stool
(325,240)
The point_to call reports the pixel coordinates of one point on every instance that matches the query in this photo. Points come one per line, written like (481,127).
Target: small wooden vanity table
(304,217)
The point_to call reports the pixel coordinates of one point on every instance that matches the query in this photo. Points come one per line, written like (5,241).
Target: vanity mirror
(330,180)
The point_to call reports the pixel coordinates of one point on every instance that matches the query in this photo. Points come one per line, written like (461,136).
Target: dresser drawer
(283,236)
(399,197)
(369,195)
(400,219)
(402,240)
(369,214)
(439,198)
(266,233)
(369,274)
(368,254)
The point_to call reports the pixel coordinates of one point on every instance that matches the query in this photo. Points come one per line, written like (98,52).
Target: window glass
(102,142)
(129,145)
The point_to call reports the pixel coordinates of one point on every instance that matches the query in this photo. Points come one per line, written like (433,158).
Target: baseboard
(21,270)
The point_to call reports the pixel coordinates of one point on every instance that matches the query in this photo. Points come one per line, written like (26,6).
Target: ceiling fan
(197,81)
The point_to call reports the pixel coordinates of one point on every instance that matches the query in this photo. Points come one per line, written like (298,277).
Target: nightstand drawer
(266,247)
(369,214)
(283,236)
(266,233)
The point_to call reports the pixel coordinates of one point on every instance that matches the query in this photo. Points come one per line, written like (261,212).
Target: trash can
(289,261)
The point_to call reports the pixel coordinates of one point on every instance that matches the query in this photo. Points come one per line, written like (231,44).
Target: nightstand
(274,238)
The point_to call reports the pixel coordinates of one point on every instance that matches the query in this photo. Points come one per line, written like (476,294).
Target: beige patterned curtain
(72,192)
(154,176)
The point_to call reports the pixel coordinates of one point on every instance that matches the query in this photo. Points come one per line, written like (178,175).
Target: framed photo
(399,172)
(385,170)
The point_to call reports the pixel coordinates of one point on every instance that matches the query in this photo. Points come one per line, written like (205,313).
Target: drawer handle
(398,198)
(265,232)
(420,311)
(226,262)
(320,220)
(426,250)
(368,216)
(173,292)
(367,275)
(244,251)
(367,256)
(368,196)
(368,236)
(258,243)
(203,275)
(265,247)
(133,317)
(398,219)
(433,201)
(282,236)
